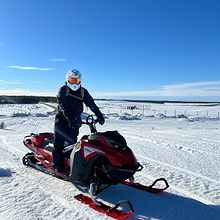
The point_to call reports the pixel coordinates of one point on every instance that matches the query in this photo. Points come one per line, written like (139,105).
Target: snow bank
(127,116)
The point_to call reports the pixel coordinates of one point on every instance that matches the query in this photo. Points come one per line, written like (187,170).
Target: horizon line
(123,99)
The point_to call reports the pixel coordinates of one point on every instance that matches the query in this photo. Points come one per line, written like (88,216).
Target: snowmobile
(94,163)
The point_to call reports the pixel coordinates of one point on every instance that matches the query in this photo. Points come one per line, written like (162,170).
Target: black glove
(74,124)
(101,119)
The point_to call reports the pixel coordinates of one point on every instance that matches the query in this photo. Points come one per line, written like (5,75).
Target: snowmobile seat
(38,140)
(48,141)
(66,151)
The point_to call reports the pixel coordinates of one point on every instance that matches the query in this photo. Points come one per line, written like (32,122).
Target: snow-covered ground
(184,149)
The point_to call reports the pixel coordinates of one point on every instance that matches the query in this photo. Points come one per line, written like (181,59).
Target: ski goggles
(74,80)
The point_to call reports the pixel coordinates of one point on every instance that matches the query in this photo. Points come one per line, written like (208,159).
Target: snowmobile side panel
(83,170)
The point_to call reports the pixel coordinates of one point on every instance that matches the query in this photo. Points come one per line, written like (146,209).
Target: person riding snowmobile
(71,97)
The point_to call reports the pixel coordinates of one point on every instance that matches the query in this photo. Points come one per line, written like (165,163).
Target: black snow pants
(63,133)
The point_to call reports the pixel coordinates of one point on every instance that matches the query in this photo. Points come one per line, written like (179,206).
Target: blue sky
(148,49)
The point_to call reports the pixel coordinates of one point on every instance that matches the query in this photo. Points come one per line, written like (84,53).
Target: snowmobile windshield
(113,137)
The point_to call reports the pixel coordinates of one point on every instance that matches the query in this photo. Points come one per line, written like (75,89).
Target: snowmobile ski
(113,212)
(151,188)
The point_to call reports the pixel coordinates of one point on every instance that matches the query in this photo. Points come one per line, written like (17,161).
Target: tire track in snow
(177,146)
(173,134)
(191,195)
(11,147)
(173,166)
(190,136)
(178,132)
(188,142)
(178,168)
(187,148)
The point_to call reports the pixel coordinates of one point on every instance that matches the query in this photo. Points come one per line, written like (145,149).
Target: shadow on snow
(5,172)
(166,206)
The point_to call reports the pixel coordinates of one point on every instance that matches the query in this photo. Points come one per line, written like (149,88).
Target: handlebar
(90,121)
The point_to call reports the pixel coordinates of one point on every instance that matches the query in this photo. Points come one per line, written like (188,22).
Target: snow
(183,148)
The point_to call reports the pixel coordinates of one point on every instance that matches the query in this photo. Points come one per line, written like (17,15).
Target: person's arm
(89,101)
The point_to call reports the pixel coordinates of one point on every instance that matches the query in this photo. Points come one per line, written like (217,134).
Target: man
(71,97)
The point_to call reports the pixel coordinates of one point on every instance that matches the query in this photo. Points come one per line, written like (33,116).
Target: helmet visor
(74,80)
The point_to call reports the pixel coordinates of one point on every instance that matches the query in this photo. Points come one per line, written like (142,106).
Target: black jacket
(70,104)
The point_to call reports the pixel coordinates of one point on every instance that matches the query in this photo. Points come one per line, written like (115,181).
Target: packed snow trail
(182,152)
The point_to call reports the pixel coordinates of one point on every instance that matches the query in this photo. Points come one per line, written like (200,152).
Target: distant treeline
(25,99)
(161,101)
(36,99)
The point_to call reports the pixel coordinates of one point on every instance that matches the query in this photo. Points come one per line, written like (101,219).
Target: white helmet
(73,79)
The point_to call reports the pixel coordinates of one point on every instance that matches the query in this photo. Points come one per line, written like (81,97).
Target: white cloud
(199,89)
(3,82)
(18,92)
(31,68)
(58,59)
(211,88)
(194,85)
